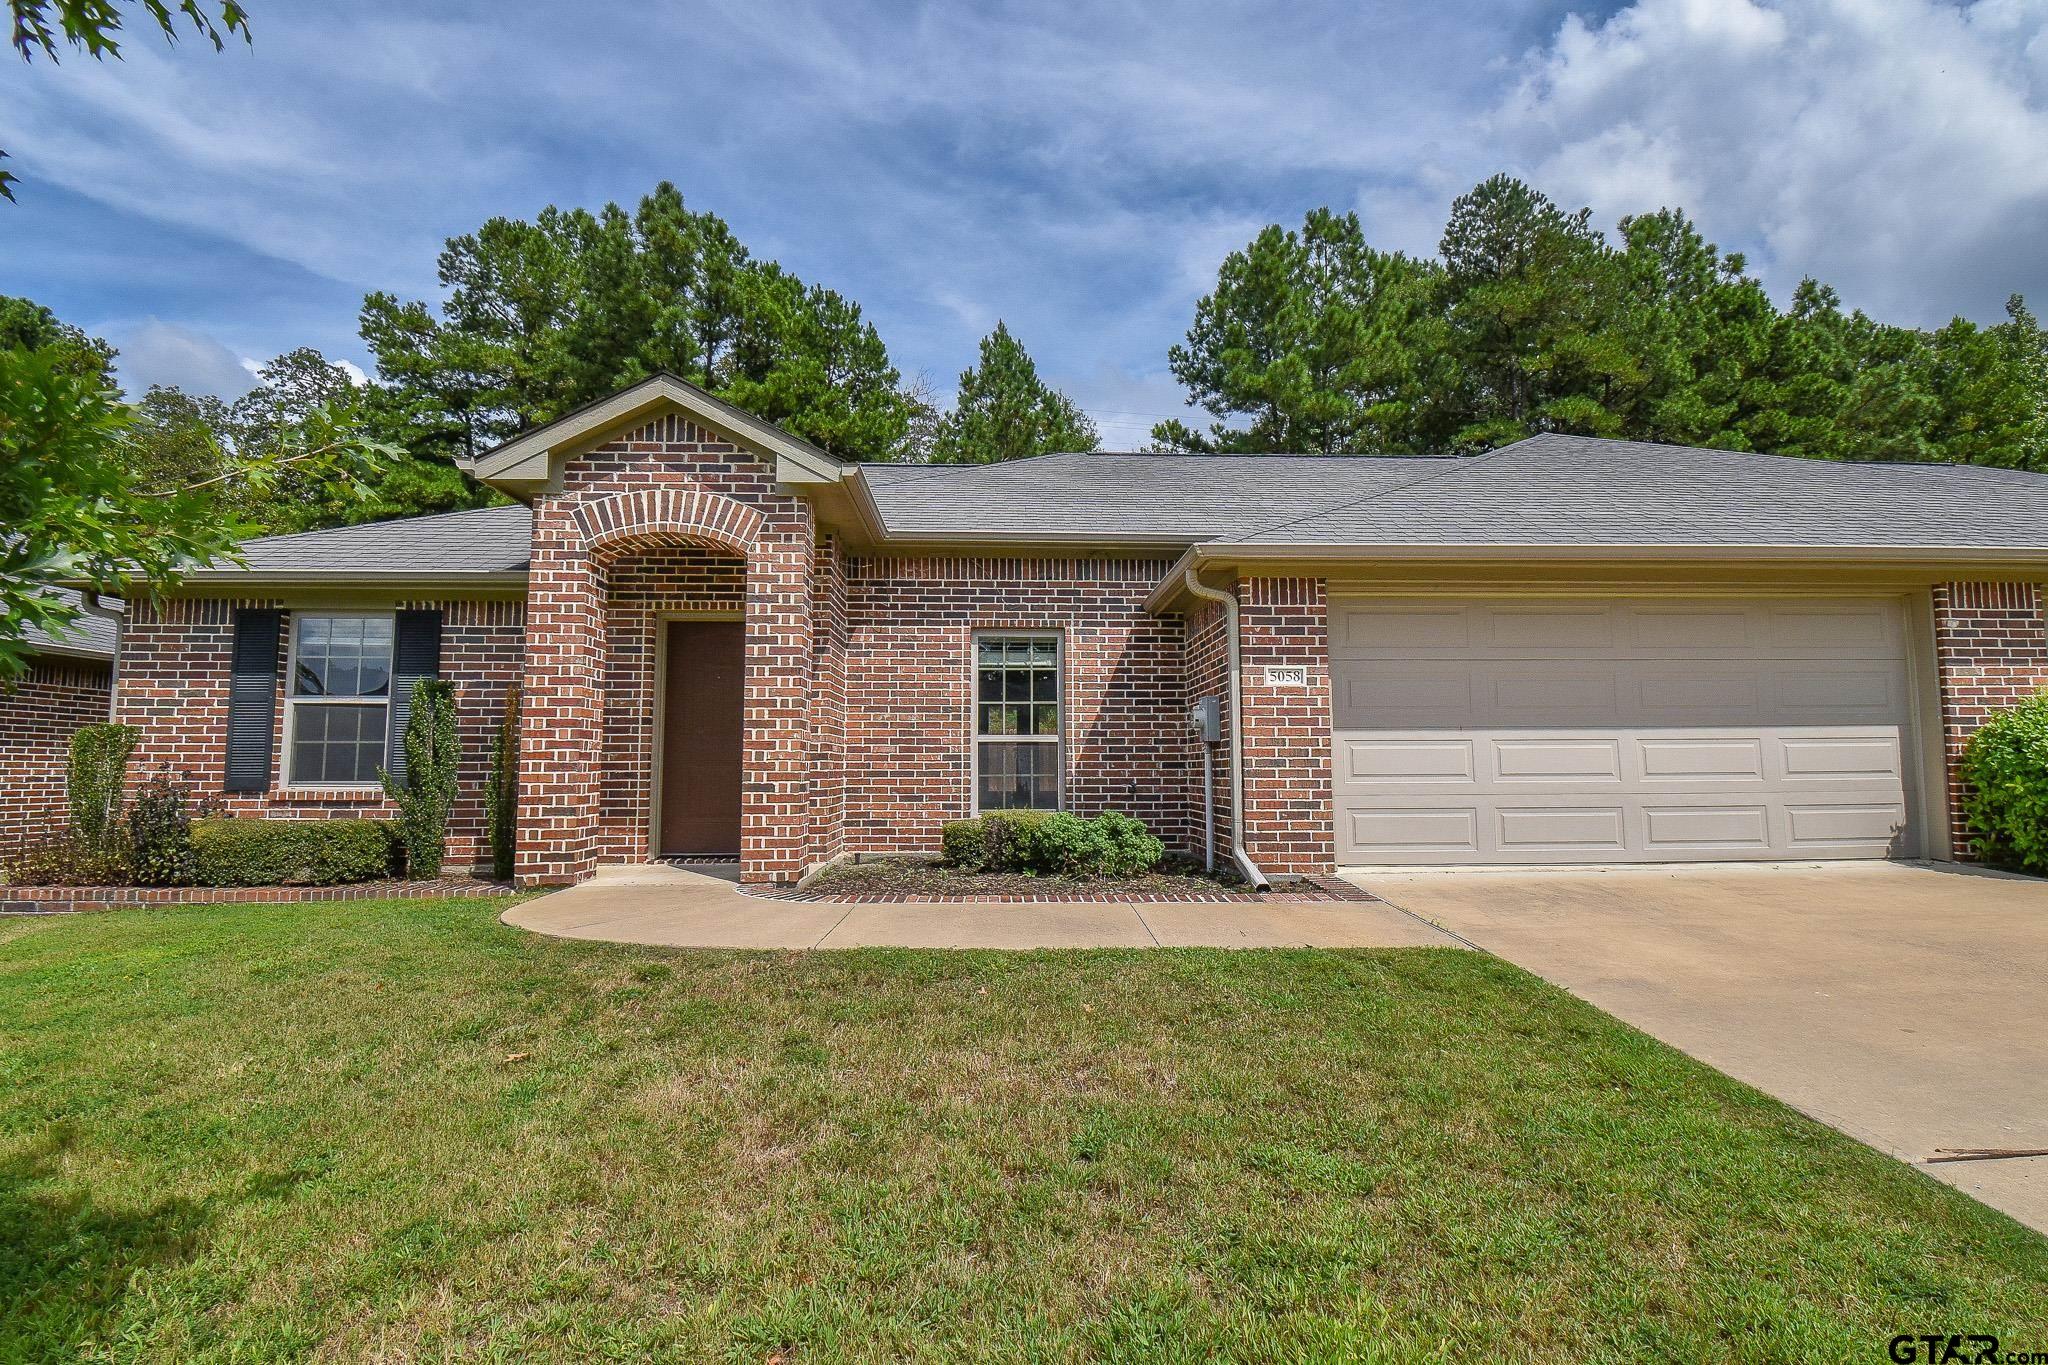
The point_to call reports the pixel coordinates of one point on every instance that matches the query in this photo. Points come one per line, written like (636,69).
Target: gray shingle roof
(482,542)
(1547,490)
(1573,490)
(1171,499)
(91,635)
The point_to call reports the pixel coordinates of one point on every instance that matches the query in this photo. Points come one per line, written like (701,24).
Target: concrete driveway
(1905,1004)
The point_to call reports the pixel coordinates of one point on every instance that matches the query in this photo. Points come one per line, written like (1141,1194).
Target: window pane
(1045,685)
(991,651)
(338,744)
(1020,776)
(1017,686)
(1045,719)
(343,656)
(991,684)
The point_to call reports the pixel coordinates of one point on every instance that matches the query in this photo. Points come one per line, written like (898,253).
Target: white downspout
(1228,601)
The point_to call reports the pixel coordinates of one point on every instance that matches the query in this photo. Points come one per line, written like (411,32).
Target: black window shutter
(252,699)
(415,654)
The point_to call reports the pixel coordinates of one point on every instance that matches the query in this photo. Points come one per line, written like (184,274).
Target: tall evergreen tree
(542,316)
(1004,411)
(1312,342)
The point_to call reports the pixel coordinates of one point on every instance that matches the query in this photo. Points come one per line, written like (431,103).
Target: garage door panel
(1533,830)
(1698,733)
(1696,760)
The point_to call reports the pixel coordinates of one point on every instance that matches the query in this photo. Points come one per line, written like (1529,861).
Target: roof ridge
(1453,462)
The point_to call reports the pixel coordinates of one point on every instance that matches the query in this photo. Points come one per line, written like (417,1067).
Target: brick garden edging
(1306,890)
(63,900)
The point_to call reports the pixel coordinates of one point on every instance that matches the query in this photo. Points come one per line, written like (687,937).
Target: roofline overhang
(500,579)
(1237,554)
(531,461)
(82,652)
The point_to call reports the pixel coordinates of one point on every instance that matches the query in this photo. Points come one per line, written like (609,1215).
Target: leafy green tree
(76,513)
(1312,342)
(26,325)
(540,317)
(93,26)
(178,439)
(1004,411)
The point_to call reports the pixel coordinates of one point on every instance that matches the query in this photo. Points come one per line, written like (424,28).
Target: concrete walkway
(674,908)
(1901,1003)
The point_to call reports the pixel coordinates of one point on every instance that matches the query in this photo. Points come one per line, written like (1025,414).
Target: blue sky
(1077,169)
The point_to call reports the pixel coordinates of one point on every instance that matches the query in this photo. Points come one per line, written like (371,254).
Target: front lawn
(399,1130)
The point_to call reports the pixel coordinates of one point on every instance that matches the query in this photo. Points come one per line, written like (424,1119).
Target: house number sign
(1286,676)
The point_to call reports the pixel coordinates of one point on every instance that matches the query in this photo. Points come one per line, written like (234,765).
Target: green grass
(399,1130)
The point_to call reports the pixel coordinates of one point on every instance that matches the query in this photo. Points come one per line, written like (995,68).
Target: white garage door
(1619,730)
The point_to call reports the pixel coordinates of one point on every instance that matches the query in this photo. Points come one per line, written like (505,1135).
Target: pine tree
(1004,411)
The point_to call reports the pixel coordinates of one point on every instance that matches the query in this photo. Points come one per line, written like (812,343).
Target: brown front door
(700,738)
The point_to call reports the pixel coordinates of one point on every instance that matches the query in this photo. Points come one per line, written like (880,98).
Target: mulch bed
(64,900)
(895,881)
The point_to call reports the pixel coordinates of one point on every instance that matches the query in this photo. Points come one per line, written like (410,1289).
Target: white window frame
(975,736)
(292,701)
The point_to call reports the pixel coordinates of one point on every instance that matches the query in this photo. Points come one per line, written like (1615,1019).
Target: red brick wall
(175,661)
(38,716)
(665,485)
(828,701)
(1288,814)
(1206,664)
(1992,651)
(910,677)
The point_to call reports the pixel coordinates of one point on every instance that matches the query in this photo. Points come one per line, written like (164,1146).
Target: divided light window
(339,700)
(1017,759)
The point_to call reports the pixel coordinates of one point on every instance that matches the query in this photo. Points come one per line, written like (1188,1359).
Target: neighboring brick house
(68,685)
(730,643)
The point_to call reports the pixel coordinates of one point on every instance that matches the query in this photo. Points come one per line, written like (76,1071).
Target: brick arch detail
(692,516)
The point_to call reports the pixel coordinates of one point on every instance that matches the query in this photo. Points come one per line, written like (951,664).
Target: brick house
(68,685)
(729,642)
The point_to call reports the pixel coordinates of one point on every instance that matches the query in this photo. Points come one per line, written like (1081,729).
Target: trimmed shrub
(63,861)
(431,754)
(1123,846)
(1111,845)
(293,852)
(502,798)
(93,783)
(160,833)
(1008,842)
(962,844)
(2005,766)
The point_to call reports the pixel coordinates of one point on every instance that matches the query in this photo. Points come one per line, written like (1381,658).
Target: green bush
(292,852)
(93,782)
(160,833)
(502,813)
(961,843)
(1008,840)
(432,752)
(63,861)
(2006,768)
(1053,843)
(1124,847)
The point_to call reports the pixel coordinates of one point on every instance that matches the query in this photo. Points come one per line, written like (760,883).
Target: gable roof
(527,462)
(1553,491)
(1556,495)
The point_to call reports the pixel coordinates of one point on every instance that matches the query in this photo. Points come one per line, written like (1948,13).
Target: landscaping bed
(57,900)
(928,879)
(400,1130)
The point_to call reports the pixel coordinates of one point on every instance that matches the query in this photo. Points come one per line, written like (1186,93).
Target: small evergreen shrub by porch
(236,852)
(2005,767)
(1052,843)
(432,754)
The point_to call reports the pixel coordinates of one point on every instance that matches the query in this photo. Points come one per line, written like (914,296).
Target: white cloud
(1892,148)
(175,356)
